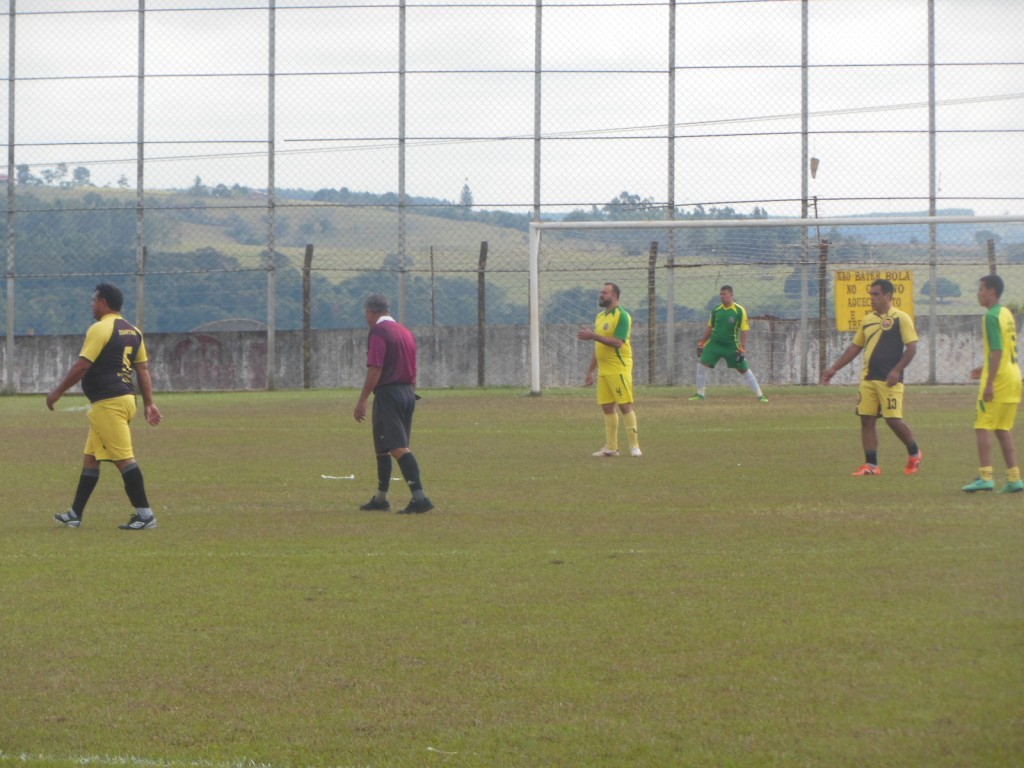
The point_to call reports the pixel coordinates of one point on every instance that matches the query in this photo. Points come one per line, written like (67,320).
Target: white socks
(751,382)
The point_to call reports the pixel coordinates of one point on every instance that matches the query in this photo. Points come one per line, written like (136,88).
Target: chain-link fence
(795,274)
(201,155)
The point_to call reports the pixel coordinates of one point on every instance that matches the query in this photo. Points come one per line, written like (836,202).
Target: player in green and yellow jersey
(998,391)
(726,337)
(613,364)
(889,341)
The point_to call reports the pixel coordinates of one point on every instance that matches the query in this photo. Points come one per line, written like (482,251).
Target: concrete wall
(237,360)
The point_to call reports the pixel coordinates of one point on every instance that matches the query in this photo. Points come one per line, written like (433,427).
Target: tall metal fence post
(307,319)
(402,266)
(652,314)
(822,306)
(140,171)
(804,181)
(433,290)
(9,341)
(481,317)
(670,240)
(933,190)
(271,202)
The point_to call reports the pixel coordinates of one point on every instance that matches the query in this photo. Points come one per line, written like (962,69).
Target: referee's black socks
(383,475)
(410,471)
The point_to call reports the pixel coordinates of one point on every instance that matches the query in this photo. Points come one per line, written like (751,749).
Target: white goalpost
(807,226)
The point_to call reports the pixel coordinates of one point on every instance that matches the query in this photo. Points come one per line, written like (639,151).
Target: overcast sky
(470,99)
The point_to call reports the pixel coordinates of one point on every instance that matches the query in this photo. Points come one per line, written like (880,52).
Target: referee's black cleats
(417,507)
(376,505)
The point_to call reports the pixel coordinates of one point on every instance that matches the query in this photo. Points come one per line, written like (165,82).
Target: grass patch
(732,598)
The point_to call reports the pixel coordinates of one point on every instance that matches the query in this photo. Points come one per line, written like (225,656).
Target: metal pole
(804,183)
(933,257)
(822,304)
(670,297)
(534,306)
(652,313)
(140,169)
(433,291)
(402,279)
(535,236)
(307,318)
(481,316)
(271,201)
(538,29)
(9,341)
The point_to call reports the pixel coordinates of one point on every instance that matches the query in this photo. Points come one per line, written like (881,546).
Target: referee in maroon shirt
(391,378)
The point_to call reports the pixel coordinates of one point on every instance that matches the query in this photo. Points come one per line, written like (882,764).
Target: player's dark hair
(726,288)
(615,289)
(886,286)
(994,283)
(377,303)
(111,294)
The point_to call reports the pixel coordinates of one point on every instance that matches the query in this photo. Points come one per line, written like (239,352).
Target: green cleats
(698,397)
(762,399)
(1013,486)
(979,485)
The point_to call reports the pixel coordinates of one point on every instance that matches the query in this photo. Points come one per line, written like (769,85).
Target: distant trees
(81,177)
(944,289)
(626,206)
(56,174)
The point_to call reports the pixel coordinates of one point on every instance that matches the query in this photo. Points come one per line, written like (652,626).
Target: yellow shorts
(876,398)
(109,438)
(617,388)
(995,416)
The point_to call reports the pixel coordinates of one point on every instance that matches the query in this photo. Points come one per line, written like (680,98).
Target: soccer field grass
(732,598)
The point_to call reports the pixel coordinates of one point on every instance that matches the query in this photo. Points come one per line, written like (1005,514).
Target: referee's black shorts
(393,406)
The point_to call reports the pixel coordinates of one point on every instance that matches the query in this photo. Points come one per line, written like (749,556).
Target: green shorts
(713,352)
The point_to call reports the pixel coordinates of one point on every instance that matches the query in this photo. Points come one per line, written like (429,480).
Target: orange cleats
(913,464)
(868,469)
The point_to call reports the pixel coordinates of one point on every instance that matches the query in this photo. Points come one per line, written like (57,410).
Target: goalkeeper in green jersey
(726,337)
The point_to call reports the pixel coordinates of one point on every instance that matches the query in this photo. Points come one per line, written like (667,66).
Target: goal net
(785,272)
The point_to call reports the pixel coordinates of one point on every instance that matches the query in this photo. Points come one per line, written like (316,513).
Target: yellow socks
(611,430)
(629,420)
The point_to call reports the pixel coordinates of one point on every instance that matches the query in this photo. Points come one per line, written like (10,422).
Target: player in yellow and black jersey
(113,350)
(889,341)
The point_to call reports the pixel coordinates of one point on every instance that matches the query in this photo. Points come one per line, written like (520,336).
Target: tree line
(63,243)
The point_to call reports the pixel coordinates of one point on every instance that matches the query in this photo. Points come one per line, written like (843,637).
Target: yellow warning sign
(853,300)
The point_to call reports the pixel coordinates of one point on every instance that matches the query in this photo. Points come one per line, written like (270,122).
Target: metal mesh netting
(194,154)
(780,274)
